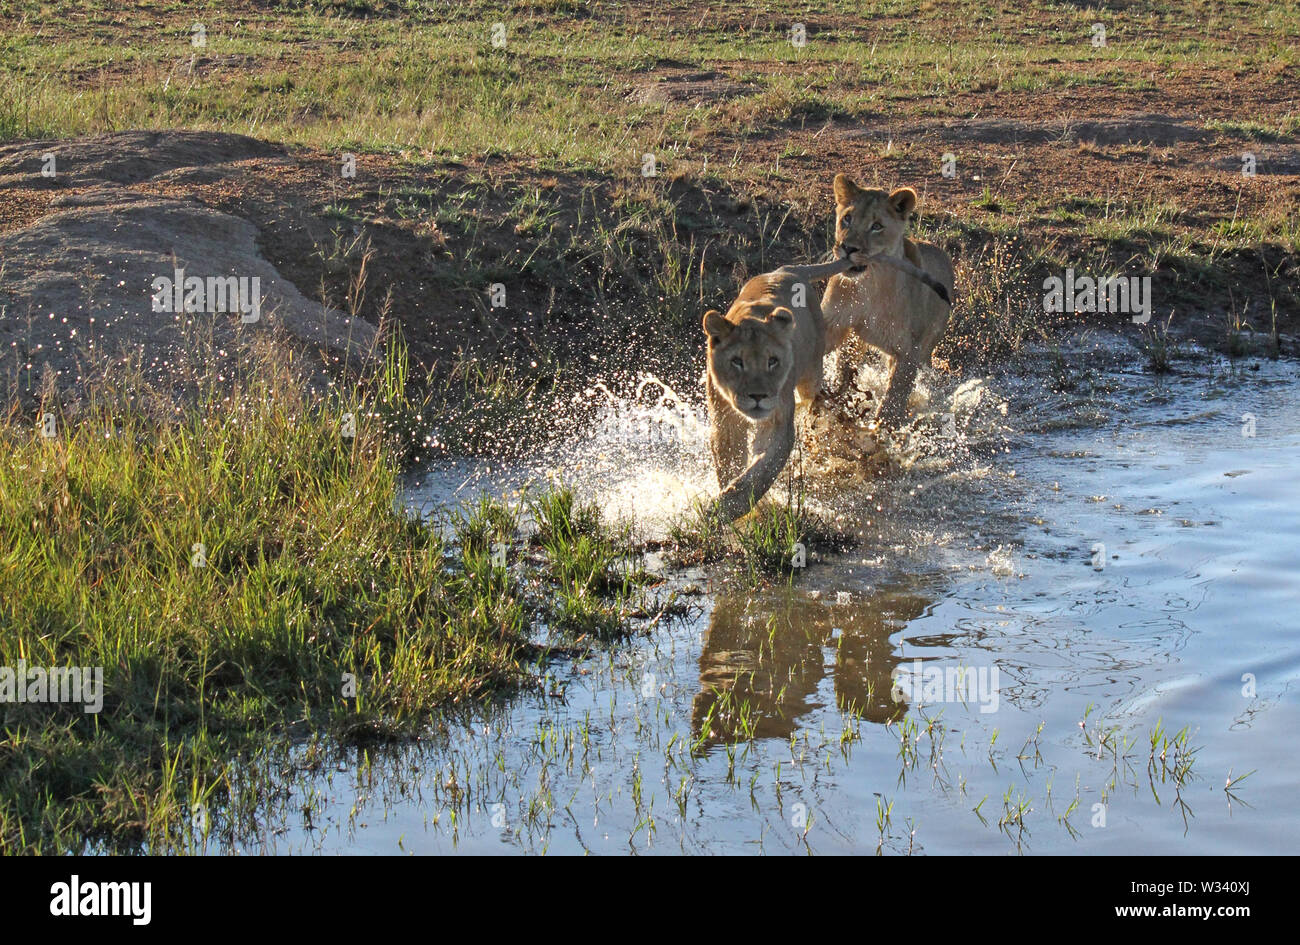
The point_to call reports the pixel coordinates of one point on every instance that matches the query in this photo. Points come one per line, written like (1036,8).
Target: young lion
(900,301)
(768,347)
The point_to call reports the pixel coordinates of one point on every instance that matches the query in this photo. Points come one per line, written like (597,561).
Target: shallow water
(1118,555)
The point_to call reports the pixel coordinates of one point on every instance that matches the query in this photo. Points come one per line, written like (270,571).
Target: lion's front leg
(728,437)
(847,361)
(811,385)
(894,407)
(773,441)
(843,377)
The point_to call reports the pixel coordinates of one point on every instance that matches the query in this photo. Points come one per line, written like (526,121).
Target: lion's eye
(772,363)
(738,364)
(876,227)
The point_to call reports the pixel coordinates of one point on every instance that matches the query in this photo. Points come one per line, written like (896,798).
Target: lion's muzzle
(756,406)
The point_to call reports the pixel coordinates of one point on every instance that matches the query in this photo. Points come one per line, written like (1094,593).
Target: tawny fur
(767,349)
(883,305)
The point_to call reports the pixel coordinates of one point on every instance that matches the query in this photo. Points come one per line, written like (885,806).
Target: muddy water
(1035,595)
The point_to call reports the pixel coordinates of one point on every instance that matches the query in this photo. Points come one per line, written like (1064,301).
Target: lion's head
(870,221)
(750,360)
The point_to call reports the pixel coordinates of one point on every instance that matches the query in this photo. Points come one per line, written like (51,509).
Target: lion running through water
(764,352)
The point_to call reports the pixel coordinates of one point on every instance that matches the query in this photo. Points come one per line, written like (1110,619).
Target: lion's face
(870,221)
(749,361)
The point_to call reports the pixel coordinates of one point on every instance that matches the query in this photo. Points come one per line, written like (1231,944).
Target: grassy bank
(239,570)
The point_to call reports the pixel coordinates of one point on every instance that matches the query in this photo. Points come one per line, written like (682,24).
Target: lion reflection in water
(767,657)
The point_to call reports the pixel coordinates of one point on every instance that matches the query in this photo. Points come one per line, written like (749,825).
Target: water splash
(642,455)
(643,459)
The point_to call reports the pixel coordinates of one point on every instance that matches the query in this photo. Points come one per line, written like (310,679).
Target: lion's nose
(758,398)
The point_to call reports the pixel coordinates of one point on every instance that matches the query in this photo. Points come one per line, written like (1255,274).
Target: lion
(899,301)
(764,352)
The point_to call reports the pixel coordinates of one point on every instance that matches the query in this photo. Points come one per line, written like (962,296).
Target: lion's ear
(903,200)
(845,190)
(716,326)
(782,318)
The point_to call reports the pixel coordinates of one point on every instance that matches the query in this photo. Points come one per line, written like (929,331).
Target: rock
(79,253)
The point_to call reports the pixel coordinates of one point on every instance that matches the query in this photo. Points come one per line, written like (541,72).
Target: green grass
(594,579)
(775,540)
(1284,128)
(483,409)
(406,75)
(242,575)
(1160,347)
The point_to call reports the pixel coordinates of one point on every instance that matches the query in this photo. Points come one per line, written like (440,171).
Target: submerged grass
(1160,347)
(594,581)
(775,539)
